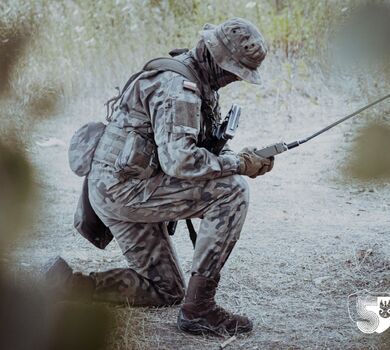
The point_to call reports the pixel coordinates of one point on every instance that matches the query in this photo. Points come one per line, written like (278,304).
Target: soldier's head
(235,48)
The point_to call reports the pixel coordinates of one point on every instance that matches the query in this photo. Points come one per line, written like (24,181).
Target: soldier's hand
(252,164)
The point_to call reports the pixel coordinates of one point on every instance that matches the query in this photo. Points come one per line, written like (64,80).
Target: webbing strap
(171,64)
(131,79)
(165,64)
(191,231)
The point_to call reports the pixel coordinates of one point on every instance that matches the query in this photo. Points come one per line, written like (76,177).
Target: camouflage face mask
(221,76)
(212,73)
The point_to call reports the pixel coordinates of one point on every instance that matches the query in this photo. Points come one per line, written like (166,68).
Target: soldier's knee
(240,189)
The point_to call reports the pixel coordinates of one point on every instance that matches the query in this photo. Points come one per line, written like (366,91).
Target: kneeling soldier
(149,167)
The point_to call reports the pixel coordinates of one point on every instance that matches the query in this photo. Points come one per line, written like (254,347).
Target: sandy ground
(311,237)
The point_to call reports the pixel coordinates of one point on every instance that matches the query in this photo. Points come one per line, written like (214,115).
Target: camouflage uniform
(188,182)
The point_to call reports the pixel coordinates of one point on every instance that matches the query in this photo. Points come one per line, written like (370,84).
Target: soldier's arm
(176,123)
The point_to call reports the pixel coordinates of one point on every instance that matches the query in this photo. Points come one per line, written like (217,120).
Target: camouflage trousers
(154,276)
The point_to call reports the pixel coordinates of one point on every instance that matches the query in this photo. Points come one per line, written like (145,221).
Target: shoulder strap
(131,79)
(174,65)
(160,64)
(166,64)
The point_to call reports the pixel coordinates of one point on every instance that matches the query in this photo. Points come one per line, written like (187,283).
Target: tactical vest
(129,132)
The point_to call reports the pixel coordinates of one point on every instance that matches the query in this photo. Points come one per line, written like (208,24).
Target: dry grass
(284,311)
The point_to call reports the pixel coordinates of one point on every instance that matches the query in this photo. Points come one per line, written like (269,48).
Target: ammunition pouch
(88,224)
(82,147)
(129,148)
(138,157)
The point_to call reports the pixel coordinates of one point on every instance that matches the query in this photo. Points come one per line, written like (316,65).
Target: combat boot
(64,284)
(200,314)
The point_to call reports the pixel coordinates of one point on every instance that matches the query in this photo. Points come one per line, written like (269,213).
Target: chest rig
(183,64)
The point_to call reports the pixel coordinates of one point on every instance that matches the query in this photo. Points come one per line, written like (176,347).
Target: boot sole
(199,327)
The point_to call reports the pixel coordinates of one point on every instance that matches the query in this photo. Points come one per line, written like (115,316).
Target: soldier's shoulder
(175,83)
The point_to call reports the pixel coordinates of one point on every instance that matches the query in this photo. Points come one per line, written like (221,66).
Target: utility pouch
(138,159)
(88,224)
(82,147)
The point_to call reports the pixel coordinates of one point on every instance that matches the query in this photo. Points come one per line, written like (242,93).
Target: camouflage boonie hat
(237,46)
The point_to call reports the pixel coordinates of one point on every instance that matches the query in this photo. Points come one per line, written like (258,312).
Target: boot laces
(223,314)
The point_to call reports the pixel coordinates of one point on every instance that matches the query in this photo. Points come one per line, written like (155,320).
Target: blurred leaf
(17,189)
(370,159)
(79,327)
(13,42)
(42,100)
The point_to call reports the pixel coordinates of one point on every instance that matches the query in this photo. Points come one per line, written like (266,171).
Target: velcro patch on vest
(189,85)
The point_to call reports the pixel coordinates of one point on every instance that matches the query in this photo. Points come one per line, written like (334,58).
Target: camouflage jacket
(173,118)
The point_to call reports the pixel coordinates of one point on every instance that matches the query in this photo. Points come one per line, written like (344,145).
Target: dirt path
(302,251)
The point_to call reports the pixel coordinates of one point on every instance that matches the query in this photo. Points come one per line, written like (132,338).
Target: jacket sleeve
(176,122)
(227,150)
